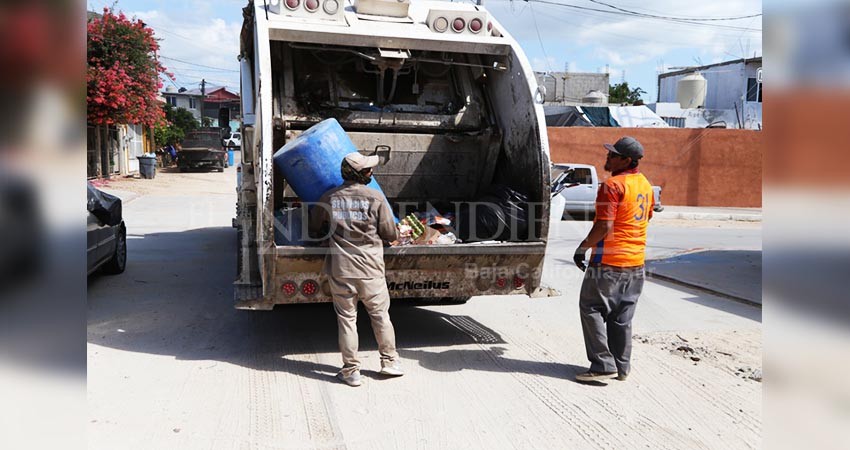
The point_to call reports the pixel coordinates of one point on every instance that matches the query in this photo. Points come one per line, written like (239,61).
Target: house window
(192,102)
(172,100)
(753,90)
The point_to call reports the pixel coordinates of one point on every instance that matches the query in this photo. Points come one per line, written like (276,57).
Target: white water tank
(690,91)
(170,89)
(594,98)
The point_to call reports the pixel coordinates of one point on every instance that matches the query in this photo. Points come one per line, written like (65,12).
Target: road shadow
(708,284)
(175,299)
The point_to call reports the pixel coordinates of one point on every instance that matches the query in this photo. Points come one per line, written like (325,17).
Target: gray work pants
(375,297)
(607,304)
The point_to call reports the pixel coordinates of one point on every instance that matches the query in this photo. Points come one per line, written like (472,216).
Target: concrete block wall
(694,167)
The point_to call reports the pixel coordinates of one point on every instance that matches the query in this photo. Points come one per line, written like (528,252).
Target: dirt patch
(735,352)
(172,181)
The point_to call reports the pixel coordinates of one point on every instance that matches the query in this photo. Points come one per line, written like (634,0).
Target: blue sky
(199,39)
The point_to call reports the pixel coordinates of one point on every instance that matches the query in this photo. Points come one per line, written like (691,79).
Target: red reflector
(501,282)
(475,25)
(311,5)
(289,288)
(458,25)
(309,288)
(518,282)
(292,4)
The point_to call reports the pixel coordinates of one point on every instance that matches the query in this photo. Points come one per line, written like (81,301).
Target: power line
(620,13)
(690,19)
(546,57)
(198,65)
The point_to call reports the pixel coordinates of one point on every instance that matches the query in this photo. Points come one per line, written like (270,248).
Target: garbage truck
(448,100)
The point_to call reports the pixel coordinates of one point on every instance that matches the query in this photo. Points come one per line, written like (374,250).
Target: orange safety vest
(627,199)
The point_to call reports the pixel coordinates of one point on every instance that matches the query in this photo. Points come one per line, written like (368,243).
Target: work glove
(578,259)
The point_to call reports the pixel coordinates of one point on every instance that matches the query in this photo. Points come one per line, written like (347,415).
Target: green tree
(179,122)
(621,93)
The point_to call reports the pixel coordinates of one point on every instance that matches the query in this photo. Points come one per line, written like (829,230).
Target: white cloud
(202,41)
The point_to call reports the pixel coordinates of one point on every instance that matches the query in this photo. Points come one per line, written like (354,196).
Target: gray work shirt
(358,220)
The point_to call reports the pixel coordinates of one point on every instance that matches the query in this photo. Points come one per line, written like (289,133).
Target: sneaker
(393,370)
(351,380)
(595,376)
(622,377)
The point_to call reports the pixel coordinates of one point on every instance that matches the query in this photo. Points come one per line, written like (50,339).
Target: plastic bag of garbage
(501,214)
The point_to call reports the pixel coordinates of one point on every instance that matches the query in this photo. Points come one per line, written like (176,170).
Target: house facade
(570,88)
(219,104)
(733,96)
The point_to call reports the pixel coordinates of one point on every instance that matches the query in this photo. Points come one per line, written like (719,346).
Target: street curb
(710,216)
(651,275)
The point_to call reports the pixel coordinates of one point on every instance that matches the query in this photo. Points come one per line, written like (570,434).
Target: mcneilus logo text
(417,285)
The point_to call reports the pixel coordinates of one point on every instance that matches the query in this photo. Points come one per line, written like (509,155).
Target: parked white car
(234,140)
(581,186)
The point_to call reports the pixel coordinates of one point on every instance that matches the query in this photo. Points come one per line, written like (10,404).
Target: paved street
(171,364)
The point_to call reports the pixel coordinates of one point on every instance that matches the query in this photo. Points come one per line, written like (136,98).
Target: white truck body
(459,109)
(579,198)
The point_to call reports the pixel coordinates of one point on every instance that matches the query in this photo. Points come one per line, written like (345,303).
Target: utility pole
(203,98)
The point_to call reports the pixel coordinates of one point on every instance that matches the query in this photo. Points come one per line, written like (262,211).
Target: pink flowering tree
(122,73)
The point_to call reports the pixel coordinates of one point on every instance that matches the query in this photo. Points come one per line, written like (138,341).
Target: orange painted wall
(694,167)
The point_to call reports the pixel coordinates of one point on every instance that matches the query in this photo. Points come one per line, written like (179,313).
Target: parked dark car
(202,150)
(22,237)
(106,234)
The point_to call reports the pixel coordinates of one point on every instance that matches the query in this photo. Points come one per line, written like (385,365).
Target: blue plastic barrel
(230,157)
(311,162)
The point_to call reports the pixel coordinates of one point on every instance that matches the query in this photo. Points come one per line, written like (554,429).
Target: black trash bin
(147,166)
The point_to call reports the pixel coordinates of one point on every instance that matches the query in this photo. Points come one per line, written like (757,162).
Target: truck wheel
(118,262)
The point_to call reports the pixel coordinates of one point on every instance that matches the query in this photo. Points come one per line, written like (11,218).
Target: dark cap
(627,147)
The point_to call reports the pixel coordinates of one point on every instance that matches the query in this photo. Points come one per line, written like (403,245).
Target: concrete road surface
(172,365)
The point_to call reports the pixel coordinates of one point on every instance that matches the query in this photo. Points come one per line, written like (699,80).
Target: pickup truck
(202,149)
(579,194)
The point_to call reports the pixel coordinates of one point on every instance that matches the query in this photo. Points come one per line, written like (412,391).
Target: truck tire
(454,300)
(118,262)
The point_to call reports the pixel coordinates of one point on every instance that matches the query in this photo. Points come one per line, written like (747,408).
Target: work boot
(351,380)
(392,369)
(622,377)
(595,376)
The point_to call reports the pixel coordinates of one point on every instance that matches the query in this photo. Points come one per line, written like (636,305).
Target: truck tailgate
(458,270)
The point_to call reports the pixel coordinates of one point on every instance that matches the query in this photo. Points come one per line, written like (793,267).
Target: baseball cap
(359,162)
(627,147)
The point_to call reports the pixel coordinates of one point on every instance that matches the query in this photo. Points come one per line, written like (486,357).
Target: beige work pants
(375,297)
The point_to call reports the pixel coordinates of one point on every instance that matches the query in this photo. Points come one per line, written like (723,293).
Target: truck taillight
(458,25)
(475,25)
(518,282)
(489,26)
(309,288)
(311,5)
(501,282)
(331,6)
(289,288)
(292,4)
(441,24)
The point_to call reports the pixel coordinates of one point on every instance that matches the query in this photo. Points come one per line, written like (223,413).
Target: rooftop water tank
(690,91)
(170,89)
(594,98)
